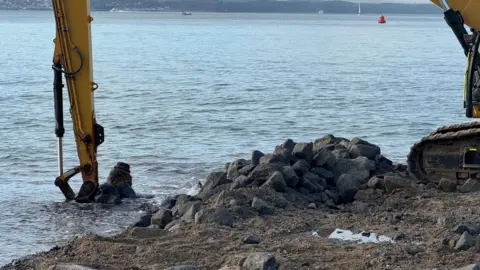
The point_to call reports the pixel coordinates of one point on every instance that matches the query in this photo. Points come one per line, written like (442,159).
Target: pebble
(251,239)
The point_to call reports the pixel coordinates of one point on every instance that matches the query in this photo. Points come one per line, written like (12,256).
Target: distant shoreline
(287,7)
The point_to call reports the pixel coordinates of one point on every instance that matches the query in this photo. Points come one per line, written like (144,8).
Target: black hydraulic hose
(455,21)
(73,72)
(58,100)
(472,66)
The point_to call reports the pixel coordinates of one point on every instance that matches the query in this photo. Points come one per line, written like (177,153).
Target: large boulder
(214,180)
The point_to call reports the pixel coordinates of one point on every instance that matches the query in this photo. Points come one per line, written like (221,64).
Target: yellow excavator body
(469,9)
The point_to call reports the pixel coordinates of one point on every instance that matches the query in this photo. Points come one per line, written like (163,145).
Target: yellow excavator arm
(73,60)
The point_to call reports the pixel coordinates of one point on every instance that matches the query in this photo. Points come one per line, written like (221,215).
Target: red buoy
(382,19)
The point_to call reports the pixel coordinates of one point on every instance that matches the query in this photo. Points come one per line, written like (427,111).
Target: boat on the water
(381,19)
(185,14)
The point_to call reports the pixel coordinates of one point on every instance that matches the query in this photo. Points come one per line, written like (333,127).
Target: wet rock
(362,148)
(217,215)
(144,221)
(169,202)
(256,155)
(213,180)
(289,176)
(324,158)
(469,267)
(303,151)
(240,182)
(262,172)
(107,194)
(289,144)
(447,185)
(276,182)
(465,242)
(126,191)
(252,240)
(301,167)
(234,167)
(183,267)
(471,185)
(263,207)
(260,261)
(348,186)
(162,218)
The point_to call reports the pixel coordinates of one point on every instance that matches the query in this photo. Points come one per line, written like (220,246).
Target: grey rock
(472,229)
(144,221)
(162,218)
(469,267)
(183,267)
(154,226)
(260,261)
(315,179)
(383,165)
(289,175)
(262,206)
(68,266)
(324,158)
(189,216)
(312,206)
(172,224)
(324,173)
(285,153)
(272,158)
(359,148)
(234,167)
(262,172)
(393,182)
(289,144)
(240,182)
(328,139)
(303,151)
(341,154)
(465,242)
(376,183)
(217,215)
(471,185)
(276,182)
(184,202)
(252,240)
(169,202)
(213,180)
(360,167)
(348,186)
(311,187)
(301,167)
(447,185)
(333,195)
(246,169)
(256,155)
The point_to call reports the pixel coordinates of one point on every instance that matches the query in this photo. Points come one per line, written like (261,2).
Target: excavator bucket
(467,8)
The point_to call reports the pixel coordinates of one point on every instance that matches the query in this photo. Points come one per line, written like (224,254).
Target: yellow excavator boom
(73,60)
(469,9)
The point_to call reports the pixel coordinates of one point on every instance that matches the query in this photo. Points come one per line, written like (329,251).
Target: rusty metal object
(449,152)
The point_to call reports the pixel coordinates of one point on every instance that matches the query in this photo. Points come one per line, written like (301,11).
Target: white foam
(347,235)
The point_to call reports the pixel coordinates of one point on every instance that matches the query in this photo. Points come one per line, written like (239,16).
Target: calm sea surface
(182,95)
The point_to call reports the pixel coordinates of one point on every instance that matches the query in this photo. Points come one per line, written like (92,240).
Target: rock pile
(329,171)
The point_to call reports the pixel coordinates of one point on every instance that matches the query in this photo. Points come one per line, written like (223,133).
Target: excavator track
(449,152)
